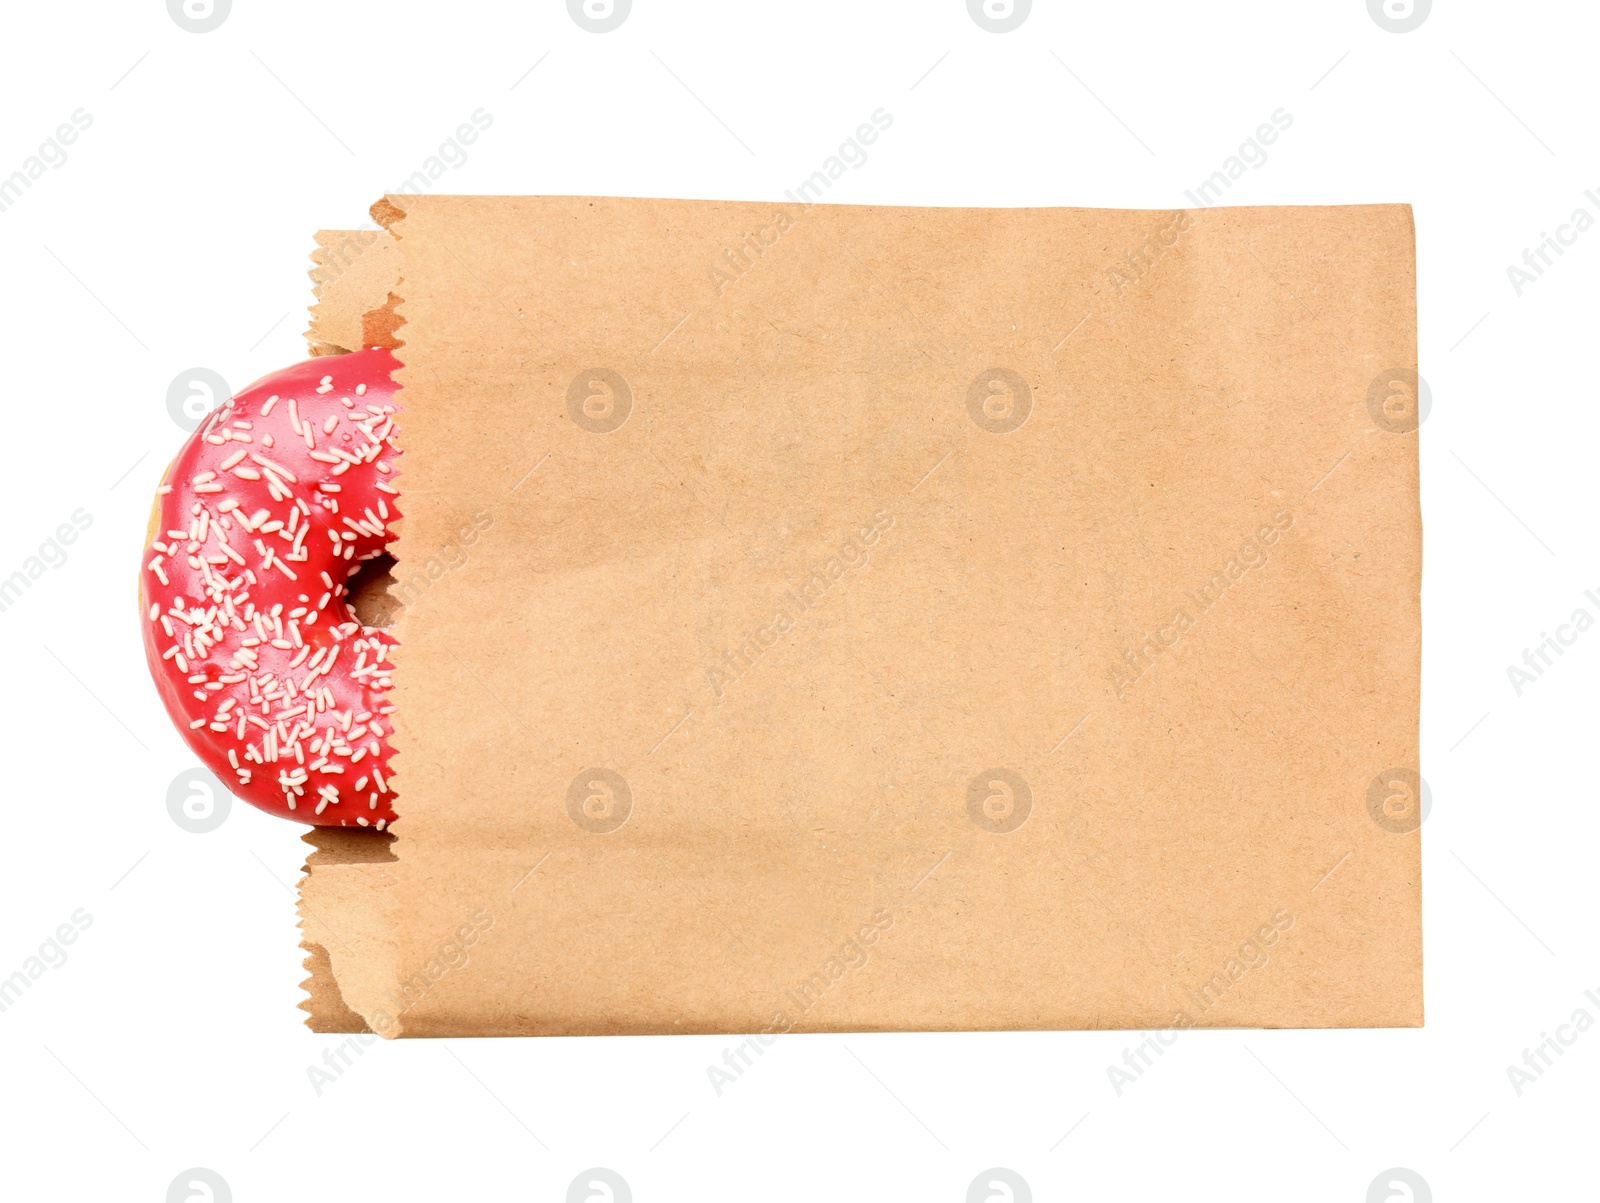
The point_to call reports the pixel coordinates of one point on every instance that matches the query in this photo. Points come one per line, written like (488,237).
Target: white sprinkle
(275,467)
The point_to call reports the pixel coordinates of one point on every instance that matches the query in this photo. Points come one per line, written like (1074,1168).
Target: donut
(276,501)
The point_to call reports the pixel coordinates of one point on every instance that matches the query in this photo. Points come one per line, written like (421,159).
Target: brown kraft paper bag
(844,618)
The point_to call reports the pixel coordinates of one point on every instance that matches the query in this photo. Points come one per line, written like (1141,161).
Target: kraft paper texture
(851,618)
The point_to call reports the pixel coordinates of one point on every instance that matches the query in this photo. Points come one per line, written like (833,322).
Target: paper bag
(851,618)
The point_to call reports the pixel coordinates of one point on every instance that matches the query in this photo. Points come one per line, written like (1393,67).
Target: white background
(176,235)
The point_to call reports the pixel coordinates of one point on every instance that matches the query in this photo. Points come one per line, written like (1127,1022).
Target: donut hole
(369,592)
